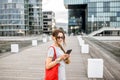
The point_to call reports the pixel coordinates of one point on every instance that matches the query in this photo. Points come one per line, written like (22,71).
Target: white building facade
(48,21)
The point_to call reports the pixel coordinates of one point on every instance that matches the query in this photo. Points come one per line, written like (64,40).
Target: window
(92,10)
(93,4)
(118,14)
(113,19)
(106,7)
(45,16)
(47,19)
(9,1)
(92,13)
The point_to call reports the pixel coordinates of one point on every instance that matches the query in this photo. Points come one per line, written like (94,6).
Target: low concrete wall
(108,38)
(21,38)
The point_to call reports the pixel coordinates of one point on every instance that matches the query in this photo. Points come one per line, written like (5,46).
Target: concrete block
(34,42)
(15,48)
(81,42)
(85,48)
(44,39)
(95,68)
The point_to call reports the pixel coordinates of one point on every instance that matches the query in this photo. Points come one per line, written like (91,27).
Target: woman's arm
(50,63)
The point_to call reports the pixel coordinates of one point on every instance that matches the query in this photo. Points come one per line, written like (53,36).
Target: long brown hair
(55,34)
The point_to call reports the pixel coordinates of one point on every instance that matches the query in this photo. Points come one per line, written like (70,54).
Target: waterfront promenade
(29,63)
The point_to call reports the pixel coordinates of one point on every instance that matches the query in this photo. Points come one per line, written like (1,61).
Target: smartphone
(69,51)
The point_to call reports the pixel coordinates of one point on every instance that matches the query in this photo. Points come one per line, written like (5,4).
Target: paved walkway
(28,64)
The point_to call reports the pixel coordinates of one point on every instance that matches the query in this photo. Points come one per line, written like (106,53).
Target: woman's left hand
(67,56)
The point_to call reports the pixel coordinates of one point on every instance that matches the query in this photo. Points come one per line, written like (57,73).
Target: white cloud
(56,6)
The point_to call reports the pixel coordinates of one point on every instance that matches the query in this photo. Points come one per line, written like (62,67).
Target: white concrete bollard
(81,42)
(95,68)
(85,48)
(14,48)
(34,42)
(44,39)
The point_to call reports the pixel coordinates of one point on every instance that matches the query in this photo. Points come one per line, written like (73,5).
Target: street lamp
(92,21)
(71,29)
(95,26)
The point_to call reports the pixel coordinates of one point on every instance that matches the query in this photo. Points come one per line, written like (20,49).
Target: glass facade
(20,15)
(98,13)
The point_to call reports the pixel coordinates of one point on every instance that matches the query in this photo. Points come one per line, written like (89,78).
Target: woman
(58,37)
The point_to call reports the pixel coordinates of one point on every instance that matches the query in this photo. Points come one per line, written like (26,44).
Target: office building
(91,15)
(48,21)
(20,17)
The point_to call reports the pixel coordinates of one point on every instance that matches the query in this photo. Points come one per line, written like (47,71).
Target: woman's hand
(64,56)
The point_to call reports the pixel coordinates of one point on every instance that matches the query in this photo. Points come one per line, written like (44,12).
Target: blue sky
(56,6)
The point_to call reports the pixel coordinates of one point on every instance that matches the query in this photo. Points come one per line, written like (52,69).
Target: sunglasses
(60,37)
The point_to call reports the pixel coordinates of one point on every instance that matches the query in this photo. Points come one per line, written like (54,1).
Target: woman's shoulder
(52,47)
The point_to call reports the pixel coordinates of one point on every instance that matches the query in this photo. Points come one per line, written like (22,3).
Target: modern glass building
(91,15)
(20,17)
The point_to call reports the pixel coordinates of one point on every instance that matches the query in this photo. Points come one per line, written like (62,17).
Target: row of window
(12,22)
(18,13)
(34,10)
(73,1)
(47,19)
(49,13)
(13,27)
(11,6)
(12,16)
(104,4)
(4,11)
(18,6)
(101,14)
(45,16)
(75,20)
(102,0)
(112,18)
(10,1)
(103,9)
(34,1)
(20,1)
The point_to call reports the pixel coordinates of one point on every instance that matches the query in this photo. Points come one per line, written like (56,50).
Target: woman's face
(60,38)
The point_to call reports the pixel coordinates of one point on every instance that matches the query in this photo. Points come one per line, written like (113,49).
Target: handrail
(103,29)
